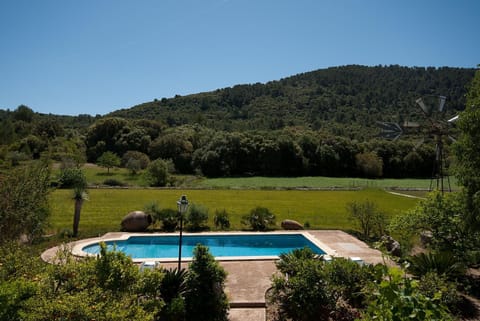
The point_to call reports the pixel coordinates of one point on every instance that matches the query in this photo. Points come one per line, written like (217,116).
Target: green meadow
(96,176)
(317,182)
(322,209)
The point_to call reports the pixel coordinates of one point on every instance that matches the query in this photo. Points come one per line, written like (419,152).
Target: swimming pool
(222,246)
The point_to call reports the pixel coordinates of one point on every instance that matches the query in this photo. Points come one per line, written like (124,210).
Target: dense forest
(343,101)
(317,123)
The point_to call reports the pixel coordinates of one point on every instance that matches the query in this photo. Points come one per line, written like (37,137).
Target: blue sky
(96,56)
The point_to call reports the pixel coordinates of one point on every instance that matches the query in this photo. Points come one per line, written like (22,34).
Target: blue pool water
(139,247)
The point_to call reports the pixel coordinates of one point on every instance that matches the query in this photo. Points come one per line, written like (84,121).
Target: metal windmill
(435,126)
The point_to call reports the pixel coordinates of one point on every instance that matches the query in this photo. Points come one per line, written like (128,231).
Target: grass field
(315,182)
(97,175)
(322,209)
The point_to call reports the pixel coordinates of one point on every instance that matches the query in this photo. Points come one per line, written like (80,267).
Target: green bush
(221,220)
(304,295)
(71,177)
(205,297)
(431,284)
(370,220)
(259,219)
(197,217)
(113,182)
(157,173)
(168,217)
(398,298)
(442,263)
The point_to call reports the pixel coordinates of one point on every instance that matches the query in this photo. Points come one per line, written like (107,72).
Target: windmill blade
(420,103)
(390,130)
(410,124)
(453,119)
(453,139)
(441,102)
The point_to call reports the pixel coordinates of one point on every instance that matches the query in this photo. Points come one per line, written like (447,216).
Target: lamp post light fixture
(182,205)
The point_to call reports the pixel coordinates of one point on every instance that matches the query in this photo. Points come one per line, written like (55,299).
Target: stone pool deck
(248,281)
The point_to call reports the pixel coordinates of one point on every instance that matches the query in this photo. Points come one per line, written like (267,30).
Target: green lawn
(97,176)
(322,209)
(315,182)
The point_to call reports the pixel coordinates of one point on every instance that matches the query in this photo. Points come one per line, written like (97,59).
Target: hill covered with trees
(317,123)
(343,101)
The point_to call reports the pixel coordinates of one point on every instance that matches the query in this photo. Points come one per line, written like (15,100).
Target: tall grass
(322,209)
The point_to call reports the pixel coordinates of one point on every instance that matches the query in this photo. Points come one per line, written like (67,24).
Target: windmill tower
(435,126)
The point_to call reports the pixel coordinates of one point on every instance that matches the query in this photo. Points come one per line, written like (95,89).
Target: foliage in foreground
(107,288)
(444,217)
(311,289)
(24,208)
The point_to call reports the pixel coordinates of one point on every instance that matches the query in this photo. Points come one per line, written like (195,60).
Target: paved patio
(248,281)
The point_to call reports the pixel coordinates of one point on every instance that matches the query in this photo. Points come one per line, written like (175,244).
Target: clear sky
(96,56)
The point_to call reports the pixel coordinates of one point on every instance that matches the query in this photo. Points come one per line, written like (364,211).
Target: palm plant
(443,263)
(79,196)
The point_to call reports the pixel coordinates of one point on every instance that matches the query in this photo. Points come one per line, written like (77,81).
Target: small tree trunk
(76,216)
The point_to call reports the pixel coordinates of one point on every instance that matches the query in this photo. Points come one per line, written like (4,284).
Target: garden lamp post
(182,205)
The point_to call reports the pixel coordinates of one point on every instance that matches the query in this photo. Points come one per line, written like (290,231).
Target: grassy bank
(322,209)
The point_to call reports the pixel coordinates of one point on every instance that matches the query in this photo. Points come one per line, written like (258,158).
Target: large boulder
(392,246)
(136,221)
(291,225)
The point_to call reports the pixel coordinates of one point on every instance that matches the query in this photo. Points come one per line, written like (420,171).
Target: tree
(135,161)
(369,164)
(24,206)
(205,297)
(467,151)
(157,173)
(79,196)
(368,217)
(444,217)
(108,160)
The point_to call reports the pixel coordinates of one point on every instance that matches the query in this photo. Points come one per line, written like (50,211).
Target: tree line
(194,149)
(317,123)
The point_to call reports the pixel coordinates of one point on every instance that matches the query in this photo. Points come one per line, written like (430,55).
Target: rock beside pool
(291,225)
(392,246)
(136,221)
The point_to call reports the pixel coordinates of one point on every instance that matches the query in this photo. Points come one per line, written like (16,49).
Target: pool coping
(77,247)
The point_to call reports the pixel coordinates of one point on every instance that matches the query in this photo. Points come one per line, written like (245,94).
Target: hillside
(336,100)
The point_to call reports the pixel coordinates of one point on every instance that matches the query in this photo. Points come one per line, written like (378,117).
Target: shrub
(157,173)
(173,288)
(221,220)
(142,159)
(135,161)
(259,219)
(24,206)
(398,298)
(197,217)
(370,220)
(290,263)
(304,295)
(432,283)
(442,263)
(369,164)
(168,217)
(113,182)
(72,177)
(205,297)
